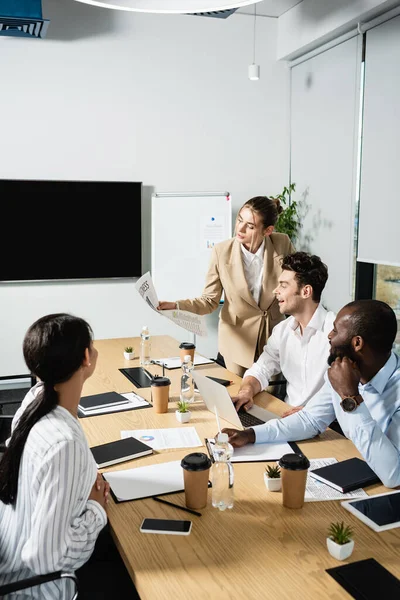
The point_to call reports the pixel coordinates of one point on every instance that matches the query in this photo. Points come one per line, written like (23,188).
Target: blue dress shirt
(374,427)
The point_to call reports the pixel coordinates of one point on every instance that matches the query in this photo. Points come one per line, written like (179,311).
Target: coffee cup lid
(294,462)
(160,381)
(197,461)
(187,346)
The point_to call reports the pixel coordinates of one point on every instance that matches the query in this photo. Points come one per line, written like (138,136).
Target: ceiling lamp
(181,7)
(254,69)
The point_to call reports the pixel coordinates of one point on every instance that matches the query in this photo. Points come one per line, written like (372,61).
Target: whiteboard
(184,229)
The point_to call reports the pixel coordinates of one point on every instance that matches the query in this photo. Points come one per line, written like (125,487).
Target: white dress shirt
(301,357)
(52,526)
(374,427)
(253,265)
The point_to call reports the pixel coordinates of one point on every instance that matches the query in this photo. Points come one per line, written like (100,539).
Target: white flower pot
(273,484)
(129,355)
(183,417)
(339,551)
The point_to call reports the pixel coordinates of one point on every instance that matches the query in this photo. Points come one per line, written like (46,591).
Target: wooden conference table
(259,549)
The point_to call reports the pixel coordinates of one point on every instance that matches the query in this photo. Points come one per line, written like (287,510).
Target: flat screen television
(55,230)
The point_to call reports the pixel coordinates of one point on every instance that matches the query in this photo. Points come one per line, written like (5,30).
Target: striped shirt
(52,526)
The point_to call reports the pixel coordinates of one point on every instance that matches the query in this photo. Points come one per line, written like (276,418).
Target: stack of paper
(110,402)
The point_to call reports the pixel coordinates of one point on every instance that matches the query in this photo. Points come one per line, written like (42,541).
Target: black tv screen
(70,229)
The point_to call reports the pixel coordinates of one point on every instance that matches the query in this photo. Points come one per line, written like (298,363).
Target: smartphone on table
(169,526)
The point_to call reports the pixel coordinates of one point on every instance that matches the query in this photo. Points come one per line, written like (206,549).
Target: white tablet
(380,512)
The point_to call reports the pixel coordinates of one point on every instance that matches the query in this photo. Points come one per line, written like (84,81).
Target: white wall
(315,22)
(160,99)
(324,117)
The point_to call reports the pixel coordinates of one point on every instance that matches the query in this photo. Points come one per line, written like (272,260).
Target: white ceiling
(270,8)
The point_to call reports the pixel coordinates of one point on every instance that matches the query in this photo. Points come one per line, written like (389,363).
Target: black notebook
(366,580)
(88,403)
(140,377)
(119,451)
(347,475)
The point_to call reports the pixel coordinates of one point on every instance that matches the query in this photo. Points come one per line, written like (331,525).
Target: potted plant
(339,541)
(183,413)
(129,353)
(289,220)
(272,478)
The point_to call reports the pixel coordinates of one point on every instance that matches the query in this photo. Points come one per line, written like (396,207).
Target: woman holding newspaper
(245,268)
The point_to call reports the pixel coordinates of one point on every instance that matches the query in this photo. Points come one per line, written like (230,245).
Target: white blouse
(253,265)
(53,526)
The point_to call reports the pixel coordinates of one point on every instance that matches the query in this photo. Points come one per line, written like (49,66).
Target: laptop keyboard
(248,420)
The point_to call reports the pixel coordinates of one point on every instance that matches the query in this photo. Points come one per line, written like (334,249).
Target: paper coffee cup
(160,387)
(187,348)
(294,469)
(196,470)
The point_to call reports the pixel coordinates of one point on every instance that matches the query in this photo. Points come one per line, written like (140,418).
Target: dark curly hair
(375,322)
(309,270)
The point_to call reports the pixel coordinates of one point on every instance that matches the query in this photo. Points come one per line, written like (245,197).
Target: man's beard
(341,351)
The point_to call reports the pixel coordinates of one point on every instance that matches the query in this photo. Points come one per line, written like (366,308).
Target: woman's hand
(100,491)
(167,306)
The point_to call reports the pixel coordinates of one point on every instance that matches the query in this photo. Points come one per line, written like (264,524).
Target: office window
(387,289)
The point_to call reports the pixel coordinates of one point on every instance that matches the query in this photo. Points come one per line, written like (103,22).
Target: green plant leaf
(340,533)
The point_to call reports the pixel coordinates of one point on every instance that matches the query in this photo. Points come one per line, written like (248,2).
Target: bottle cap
(197,461)
(187,357)
(294,462)
(160,381)
(187,346)
(144,327)
(222,438)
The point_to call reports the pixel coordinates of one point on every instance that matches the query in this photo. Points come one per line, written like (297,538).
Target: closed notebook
(88,403)
(347,475)
(119,451)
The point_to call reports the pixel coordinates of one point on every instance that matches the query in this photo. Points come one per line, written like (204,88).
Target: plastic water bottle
(222,475)
(145,346)
(187,383)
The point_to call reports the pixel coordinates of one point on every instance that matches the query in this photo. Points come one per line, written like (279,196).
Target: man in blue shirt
(361,390)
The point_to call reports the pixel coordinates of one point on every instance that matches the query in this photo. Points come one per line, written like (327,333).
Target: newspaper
(317,491)
(187,320)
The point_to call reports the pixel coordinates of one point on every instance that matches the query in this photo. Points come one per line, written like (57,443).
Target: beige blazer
(242,320)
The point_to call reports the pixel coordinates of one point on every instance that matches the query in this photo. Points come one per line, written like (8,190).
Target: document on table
(175,362)
(189,321)
(255,452)
(143,482)
(318,491)
(161,439)
(135,401)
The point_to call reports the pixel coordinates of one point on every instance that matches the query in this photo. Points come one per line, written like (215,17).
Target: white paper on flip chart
(189,321)
(143,482)
(161,439)
(318,491)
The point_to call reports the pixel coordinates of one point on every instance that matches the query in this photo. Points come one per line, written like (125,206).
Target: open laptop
(216,395)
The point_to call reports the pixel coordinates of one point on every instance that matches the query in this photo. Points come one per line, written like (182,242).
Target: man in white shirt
(362,390)
(299,345)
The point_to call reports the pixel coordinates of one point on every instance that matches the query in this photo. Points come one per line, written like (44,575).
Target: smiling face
(289,294)
(340,338)
(249,229)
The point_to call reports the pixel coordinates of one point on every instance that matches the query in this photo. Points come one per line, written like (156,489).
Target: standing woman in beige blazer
(246,268)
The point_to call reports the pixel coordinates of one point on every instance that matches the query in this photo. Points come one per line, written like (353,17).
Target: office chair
(36,580)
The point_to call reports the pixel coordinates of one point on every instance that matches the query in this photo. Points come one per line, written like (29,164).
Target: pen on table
(189,510)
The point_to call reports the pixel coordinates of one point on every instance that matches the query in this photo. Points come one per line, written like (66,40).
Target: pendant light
(170,6)
(254,70)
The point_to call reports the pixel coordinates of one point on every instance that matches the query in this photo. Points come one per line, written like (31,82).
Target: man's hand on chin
(240,438)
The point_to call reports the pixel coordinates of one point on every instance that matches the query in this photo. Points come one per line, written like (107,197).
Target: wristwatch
(350,403)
